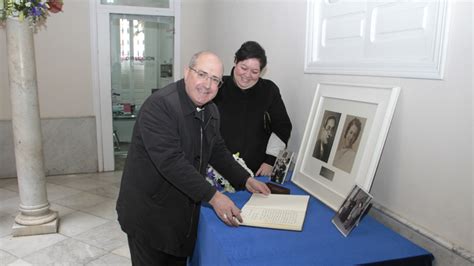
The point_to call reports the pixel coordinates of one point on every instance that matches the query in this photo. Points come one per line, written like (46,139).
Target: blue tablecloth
(320,243)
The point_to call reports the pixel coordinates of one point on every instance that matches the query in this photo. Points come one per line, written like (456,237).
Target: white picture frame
(374,107)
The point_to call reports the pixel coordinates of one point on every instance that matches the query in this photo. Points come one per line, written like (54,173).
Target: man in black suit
(176,135)
(325,140)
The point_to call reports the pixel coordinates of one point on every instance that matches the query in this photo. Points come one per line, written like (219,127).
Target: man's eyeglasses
(203,75)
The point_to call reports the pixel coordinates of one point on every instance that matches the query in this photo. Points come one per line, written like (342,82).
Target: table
(320,243)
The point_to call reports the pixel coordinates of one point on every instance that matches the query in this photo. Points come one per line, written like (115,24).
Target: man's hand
(255,186)
(264,170)
(226,209)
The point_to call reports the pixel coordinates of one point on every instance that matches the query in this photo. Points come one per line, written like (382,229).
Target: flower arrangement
(33,11)
(218,181)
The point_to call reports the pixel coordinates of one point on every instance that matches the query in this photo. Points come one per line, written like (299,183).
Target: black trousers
(143,254)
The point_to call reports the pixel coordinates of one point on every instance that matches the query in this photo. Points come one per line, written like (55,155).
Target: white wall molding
(377,38)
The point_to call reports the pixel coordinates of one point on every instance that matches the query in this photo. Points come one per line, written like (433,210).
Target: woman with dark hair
(254,121)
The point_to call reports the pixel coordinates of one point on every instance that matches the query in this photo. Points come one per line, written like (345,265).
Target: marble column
(35,216)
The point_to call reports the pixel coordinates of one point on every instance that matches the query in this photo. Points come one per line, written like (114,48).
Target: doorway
(142,59)
(136,56)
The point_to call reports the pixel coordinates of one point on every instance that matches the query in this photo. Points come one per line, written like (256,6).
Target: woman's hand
(264,170)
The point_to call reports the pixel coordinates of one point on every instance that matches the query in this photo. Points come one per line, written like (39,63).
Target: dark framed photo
(281,166)
(343,139)
(352,210)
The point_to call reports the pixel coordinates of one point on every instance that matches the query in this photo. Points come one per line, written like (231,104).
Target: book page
(275,211)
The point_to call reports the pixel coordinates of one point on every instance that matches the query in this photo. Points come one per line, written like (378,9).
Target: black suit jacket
(163,181)
(321,151)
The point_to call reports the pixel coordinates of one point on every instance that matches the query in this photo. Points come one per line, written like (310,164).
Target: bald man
(176,135)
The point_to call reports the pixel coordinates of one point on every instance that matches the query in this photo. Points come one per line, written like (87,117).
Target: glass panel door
(141,54)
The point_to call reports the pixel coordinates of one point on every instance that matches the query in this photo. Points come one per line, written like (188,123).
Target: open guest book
(278,211)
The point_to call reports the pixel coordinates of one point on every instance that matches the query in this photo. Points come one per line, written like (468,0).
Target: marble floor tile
(25,245)
(80,201)
(108,236)
(78,222)
(10,205)
(110,259)
(61,179)
(108,191)
(67,252)
(104,210)
(83,184)
(62,211)
(6,224)
(57,191)
(20,262)
(88,230)
(7,194)
(123,251)
(6,258)
(110,177)
(9,184)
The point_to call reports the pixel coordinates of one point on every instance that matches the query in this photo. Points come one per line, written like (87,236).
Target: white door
(137,48)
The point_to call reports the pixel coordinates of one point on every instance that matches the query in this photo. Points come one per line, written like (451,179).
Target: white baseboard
(445,252)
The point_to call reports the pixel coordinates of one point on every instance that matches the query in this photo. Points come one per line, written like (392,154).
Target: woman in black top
(254,121)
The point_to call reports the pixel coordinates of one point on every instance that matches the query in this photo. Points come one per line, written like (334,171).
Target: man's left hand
(255,186)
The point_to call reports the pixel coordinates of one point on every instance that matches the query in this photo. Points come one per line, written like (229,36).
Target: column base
(28,230)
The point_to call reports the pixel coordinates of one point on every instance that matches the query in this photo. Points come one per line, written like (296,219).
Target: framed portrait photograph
(343,139)
(352,210)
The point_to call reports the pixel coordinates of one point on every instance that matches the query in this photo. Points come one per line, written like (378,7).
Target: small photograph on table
(352,210)
(281,166)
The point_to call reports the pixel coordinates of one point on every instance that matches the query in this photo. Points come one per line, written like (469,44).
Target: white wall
(196,18)
(63,60)
(425,173)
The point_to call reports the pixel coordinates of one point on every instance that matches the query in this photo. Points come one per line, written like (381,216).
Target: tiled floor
(88,230)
